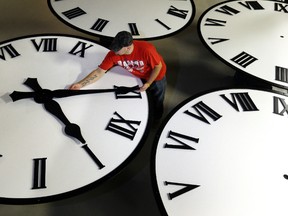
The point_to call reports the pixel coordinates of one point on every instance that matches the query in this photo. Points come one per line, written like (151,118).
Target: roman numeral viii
(243,99)
(47,44)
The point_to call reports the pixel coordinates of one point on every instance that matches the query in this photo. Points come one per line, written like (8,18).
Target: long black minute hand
(40,93)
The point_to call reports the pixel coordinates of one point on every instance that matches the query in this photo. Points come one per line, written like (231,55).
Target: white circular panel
(251,36)
(39,162)
(224,153)
(144,19)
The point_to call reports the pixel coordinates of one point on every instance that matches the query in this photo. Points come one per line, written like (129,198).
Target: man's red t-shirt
(140,62)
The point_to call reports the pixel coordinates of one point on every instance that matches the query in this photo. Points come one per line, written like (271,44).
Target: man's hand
(144,87)
(75,86)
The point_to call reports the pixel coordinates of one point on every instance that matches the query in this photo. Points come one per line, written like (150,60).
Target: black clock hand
(39,92)
(71,129)
(40,96)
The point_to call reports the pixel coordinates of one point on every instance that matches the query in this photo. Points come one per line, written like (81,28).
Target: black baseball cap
(122,39)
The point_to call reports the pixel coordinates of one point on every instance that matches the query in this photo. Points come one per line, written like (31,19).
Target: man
(139,58)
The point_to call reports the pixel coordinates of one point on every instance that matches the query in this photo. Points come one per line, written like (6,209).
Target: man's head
(122,40)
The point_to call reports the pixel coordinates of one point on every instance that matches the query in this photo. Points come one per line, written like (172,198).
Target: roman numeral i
(39,173)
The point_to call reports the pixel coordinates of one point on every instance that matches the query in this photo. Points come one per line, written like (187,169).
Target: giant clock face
(144,19)
(224,153)
(251,36)
(39,162)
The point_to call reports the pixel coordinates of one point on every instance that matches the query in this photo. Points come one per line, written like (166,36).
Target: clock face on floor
(39,162)
(251,36)
(144,19)
(224,153)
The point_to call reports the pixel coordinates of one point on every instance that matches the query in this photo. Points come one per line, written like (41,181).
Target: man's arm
(90,78)
(155,72)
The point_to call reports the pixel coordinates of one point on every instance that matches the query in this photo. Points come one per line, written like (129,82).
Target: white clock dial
(224,153)
(144,19)
(39,161)
(251,36)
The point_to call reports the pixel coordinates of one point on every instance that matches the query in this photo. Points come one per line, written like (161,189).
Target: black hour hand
(70,129)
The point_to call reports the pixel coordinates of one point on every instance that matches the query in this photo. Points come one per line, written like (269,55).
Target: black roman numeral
(93,156)
(281,74)
(177,12)
(47,44)
(179,138)
(227,10)
(130,95)
(276,109)
(133,28)
(185,188)
(255,5)
(244,99)
(244,59)
(214,22)
(99,25)
(281,8)
(10,50)
(39,173)
(163,24)
(80,48)
(123,127)
(202,107)
(73,13)
(217,40)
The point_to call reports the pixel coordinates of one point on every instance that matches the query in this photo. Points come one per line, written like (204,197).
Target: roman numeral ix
(80,49)
(276,108)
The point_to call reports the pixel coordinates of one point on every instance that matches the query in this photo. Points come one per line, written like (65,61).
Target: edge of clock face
(233,164)
(249,36)
(53,55)
(136,17)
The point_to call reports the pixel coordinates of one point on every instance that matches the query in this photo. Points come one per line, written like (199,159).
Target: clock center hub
(43,96)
